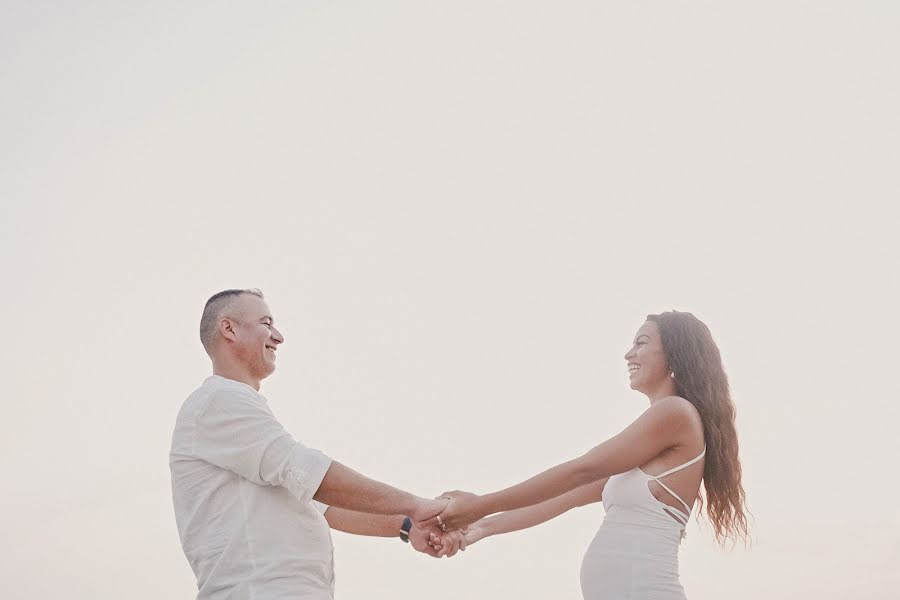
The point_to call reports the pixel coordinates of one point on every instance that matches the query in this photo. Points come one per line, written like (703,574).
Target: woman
(647,476)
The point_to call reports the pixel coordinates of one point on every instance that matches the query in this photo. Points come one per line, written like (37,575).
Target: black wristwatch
(405,529)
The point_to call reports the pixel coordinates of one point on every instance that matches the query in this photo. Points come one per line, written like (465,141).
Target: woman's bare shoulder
(678,409)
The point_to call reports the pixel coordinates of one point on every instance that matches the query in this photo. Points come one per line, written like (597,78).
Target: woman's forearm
(552,483)
(523,518)
(653,432)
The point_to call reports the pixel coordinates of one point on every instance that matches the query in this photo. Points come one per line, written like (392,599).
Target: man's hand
(426,539)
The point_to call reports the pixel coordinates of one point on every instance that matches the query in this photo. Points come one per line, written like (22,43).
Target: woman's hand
(476,531)
(452,542)
(426,510)
(463,509)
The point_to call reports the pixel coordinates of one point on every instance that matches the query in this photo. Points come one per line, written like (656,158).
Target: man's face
(256,338)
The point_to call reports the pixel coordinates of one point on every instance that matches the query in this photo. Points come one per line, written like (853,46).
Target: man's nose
(276,335)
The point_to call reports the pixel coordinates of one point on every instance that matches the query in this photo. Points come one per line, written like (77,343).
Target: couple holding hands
(254,507)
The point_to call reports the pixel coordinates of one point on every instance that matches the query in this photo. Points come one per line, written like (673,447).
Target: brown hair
(700,379)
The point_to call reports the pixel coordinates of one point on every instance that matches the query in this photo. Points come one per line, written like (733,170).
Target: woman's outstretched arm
(523,518)
(667,423)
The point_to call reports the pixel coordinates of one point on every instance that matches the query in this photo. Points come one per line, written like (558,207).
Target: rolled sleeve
(304,473)
(238,432)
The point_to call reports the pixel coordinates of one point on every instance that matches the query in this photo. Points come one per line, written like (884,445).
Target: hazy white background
(460,213)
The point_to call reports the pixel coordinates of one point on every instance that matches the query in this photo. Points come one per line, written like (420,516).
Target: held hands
(426,535)
(426,540)
(451,542)
(434,542)
(434,531)
(460,539)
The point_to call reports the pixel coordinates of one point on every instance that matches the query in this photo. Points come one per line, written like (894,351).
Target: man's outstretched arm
(237,432)
(426,540)
(345,488)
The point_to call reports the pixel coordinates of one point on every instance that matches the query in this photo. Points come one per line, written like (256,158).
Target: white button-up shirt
(243,488)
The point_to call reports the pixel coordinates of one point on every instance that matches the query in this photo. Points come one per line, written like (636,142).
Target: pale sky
(459,213)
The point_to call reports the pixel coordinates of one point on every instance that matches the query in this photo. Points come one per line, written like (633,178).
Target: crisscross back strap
(684,466)
(686,515)
(675,513)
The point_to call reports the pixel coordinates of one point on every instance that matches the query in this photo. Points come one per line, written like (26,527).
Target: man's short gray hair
(214,310)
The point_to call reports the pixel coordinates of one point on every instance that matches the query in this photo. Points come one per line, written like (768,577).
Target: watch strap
(405,529)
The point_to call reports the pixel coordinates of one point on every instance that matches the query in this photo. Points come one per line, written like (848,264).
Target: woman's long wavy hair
(700,379)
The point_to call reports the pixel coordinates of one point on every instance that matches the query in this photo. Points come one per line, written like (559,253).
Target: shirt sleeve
(237,432)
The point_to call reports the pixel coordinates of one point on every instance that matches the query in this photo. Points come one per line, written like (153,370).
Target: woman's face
(648,369)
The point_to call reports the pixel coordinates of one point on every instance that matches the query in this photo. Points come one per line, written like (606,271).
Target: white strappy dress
(634,555)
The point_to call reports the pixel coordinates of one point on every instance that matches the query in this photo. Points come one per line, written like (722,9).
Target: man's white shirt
(242,489)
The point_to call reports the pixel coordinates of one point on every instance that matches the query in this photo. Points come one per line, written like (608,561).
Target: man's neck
(235,373)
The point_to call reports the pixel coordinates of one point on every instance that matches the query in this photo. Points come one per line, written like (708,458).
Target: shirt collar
(219,380)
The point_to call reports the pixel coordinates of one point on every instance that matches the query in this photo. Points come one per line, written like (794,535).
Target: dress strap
(684,466)
(685,516)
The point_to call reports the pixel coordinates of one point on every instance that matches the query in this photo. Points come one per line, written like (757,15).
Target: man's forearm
(345,488)
(360,523)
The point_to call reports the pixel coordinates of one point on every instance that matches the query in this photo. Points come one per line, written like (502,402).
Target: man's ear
(226,328)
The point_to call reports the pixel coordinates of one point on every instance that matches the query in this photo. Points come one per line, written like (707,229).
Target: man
(253,506)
